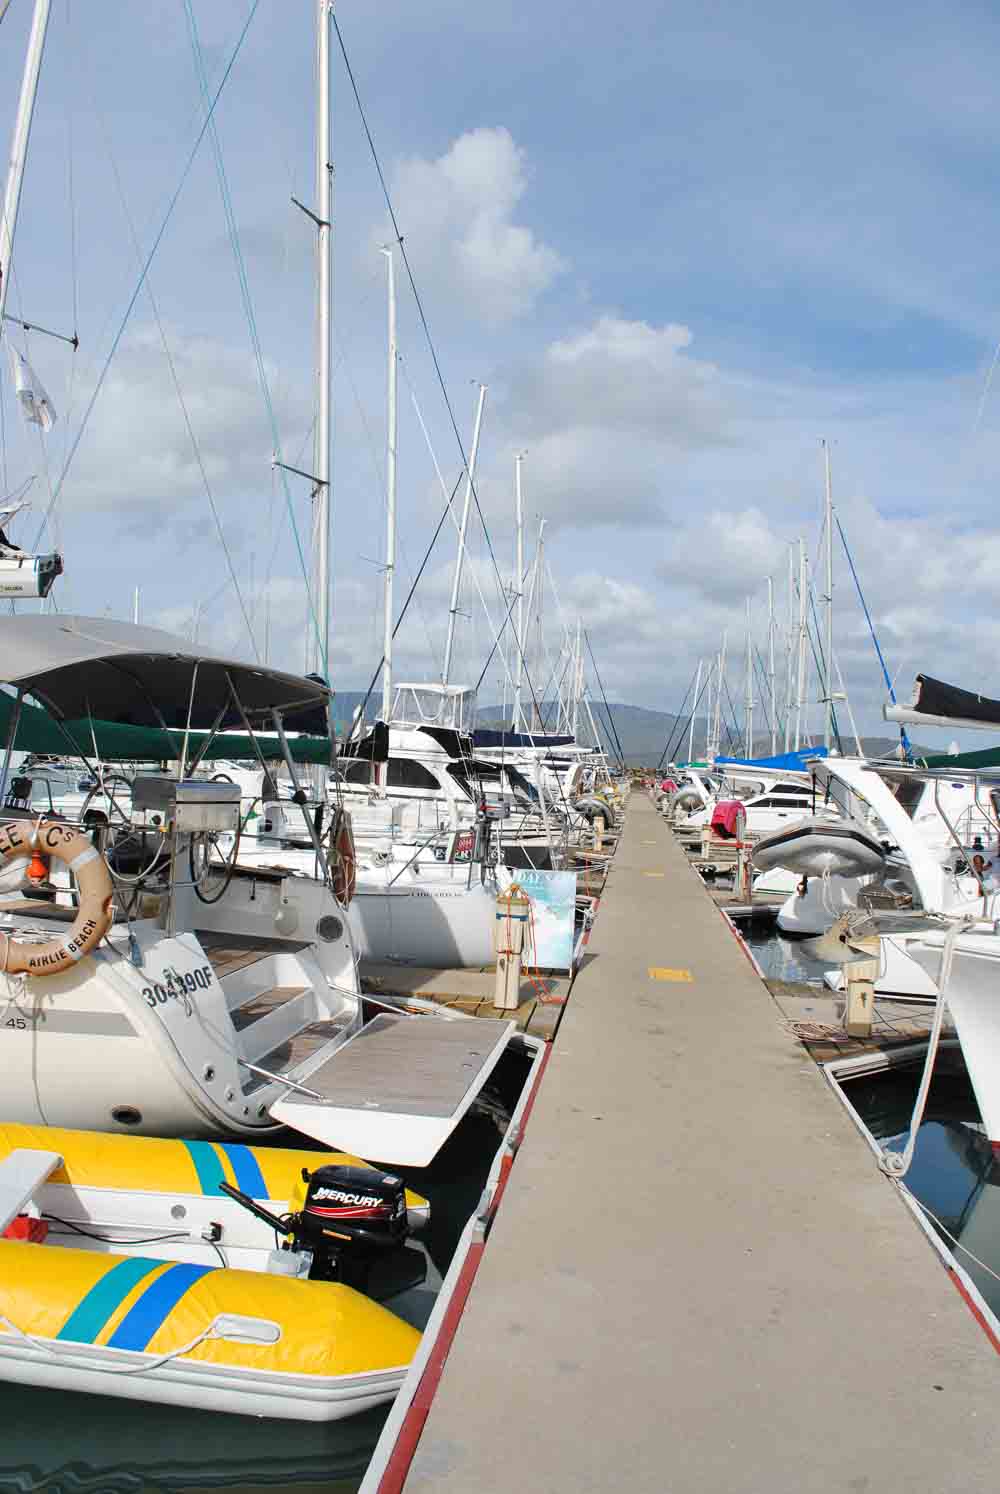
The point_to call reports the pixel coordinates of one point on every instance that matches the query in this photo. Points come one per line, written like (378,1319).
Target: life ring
(345,869)
(94,917)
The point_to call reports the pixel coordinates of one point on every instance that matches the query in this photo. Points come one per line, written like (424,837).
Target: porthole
(126,1115)
(330,929)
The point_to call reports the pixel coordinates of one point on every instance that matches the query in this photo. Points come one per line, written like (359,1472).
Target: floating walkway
(697,1279)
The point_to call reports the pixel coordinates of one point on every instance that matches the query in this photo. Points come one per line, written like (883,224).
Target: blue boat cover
(785,762)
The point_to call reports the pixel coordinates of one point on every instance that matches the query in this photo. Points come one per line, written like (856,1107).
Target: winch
(348,1224)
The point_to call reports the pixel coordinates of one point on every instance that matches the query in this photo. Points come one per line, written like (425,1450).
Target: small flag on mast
(36,406)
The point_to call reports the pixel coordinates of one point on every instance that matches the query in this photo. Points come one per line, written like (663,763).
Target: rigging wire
(171,205)
(607,708)
(178,390)
(904,739)
(673,730)
(425,326)
(244,284)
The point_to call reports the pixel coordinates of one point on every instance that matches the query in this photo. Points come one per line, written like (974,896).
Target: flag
(36,406)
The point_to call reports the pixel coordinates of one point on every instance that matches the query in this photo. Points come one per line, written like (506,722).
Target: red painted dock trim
(398,1466)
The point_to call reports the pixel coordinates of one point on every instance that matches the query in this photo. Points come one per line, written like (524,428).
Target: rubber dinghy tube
(94,917)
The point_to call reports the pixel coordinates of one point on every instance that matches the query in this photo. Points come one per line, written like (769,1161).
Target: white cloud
(457,217)
(136,454)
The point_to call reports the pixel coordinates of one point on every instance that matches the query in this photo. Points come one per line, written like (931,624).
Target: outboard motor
(351,1224)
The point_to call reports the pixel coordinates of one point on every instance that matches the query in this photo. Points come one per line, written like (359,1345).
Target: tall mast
(577,681)
(828,734)
(392,426)
(717,735)
(539,652)
(789,647)
(19,144)
(770,665)
(749,690)
(462,532)
(324,335)
(519,592)
(803,635)
(697,694)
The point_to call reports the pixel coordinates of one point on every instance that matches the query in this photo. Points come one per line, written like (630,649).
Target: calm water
(780,957)
(76,1444)
(954,1172)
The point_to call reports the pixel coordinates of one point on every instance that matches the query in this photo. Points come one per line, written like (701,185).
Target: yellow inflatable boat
(219,1277)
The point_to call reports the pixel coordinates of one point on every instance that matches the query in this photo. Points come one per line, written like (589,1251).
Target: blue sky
(679,243)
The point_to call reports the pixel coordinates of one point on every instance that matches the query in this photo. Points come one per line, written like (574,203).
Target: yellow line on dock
(654,874)
(664,972)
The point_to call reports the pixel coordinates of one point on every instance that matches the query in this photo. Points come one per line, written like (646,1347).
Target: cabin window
(358,772)
(404,772)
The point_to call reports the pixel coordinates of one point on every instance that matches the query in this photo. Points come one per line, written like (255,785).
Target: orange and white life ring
(345,870)
(18,839)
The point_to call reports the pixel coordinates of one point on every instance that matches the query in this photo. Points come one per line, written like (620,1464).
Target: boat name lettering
(176,984)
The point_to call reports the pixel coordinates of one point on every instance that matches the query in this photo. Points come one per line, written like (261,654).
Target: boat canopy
(485,738)
(785,762)
(451,706)
(91,668)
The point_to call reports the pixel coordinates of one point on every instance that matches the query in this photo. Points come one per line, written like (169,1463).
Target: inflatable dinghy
(817,847)
(213,1276)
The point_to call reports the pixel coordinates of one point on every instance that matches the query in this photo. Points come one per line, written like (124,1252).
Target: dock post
(598,831)
(513,908)
(859,982)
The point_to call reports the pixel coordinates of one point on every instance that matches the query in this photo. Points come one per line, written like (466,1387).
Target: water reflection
(780,957)
(954,1172)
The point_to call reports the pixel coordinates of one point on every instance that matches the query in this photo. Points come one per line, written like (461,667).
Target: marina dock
(697,1278)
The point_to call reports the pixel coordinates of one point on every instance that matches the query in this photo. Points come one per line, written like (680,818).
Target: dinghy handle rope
(117,1369)
(897,1164)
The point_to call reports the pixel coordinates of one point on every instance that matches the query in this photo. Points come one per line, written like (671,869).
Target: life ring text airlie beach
(94,916)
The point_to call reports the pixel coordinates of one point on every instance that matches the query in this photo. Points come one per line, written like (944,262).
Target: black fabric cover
(935,698)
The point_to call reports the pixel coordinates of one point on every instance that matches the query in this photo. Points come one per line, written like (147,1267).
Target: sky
(681,244)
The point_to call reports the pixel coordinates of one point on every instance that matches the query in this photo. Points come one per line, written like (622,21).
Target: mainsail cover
(935,698)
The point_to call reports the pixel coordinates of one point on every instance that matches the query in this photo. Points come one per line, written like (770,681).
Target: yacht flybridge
(172,990)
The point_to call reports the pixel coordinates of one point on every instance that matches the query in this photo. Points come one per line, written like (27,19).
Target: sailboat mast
(803,633)
(463,530)
(392,425)
(577,682)
(770,665)
(519,587)
(717,736)
(19,144)
(697,696)
(749,689)
(324,334)
(790,647)
(828,734)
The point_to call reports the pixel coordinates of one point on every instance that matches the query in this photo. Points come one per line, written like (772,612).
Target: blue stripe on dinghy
(93,1311)
(249,1178)
(151,1310)
(207,1165)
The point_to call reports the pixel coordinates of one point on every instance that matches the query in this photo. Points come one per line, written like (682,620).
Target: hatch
(396,1090)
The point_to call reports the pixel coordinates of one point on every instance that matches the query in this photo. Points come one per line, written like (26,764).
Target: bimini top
(116,671)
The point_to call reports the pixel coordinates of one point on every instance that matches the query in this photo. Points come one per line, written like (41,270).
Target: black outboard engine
(352,1222)
(349,1218)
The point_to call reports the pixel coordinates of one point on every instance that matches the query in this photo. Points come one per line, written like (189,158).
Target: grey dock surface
(697,1279)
